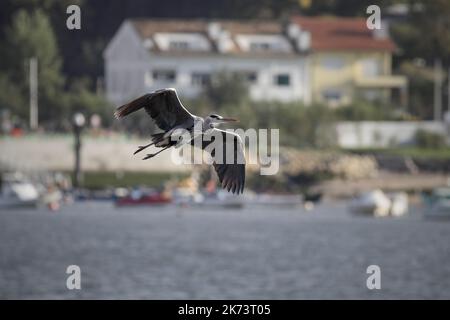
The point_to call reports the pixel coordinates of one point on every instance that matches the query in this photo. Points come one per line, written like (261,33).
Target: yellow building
(349,61)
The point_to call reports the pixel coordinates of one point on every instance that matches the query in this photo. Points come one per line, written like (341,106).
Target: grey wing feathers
(132,106)
(231,174)
(163,106)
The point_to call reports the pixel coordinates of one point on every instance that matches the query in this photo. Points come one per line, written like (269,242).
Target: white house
(150,54)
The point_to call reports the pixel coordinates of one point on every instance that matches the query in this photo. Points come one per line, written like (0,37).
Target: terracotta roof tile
(330,33)
(148,27)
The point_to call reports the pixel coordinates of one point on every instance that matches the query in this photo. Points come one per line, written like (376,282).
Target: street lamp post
(34,113)
(78,123)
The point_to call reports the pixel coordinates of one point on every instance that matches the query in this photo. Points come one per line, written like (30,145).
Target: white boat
(438,204)
(399,204)
(379,204)
(17,192)
(219,200)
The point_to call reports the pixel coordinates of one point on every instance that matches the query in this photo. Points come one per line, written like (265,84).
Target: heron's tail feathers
(131,107)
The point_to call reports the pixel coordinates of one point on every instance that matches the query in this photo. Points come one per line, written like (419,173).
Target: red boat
(152,199)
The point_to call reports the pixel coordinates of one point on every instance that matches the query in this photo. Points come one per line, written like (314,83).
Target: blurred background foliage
(30,34)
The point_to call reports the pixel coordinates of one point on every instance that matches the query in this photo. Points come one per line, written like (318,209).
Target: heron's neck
(206,124)
(200,124)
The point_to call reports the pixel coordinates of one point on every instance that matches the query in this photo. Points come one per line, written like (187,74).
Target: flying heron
(168,113)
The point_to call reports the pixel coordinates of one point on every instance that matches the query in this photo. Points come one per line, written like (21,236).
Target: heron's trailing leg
(140,148)
(154,154)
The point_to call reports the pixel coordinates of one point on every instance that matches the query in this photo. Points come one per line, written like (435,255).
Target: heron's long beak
(229,120)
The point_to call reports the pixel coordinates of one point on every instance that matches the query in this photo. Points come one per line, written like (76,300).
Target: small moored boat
(137,198)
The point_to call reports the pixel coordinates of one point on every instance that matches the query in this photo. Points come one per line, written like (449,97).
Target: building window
(283,80)
(248,76)
(251,77)
(200,79)
(178,45)
(259,46)
(332,96)
(333,63)
(371,67)
(164,75)
(181,41)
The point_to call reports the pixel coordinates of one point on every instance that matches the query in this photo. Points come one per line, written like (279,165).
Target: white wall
(370,134)
(55,152)
(125,57)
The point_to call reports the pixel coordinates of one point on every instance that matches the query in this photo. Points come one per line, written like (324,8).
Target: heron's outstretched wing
(163,106)
(229,158)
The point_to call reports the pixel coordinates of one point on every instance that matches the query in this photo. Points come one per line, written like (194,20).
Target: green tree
(31,35)
(423,37)
(226,93)
(81,99)
(299,125)
(11,96)
(421,87)
(429,18)
(362,110)
(226,89)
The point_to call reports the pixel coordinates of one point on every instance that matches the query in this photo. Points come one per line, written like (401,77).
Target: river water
(186,253)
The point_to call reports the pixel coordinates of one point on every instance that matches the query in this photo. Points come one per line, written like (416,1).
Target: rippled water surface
(182,253)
